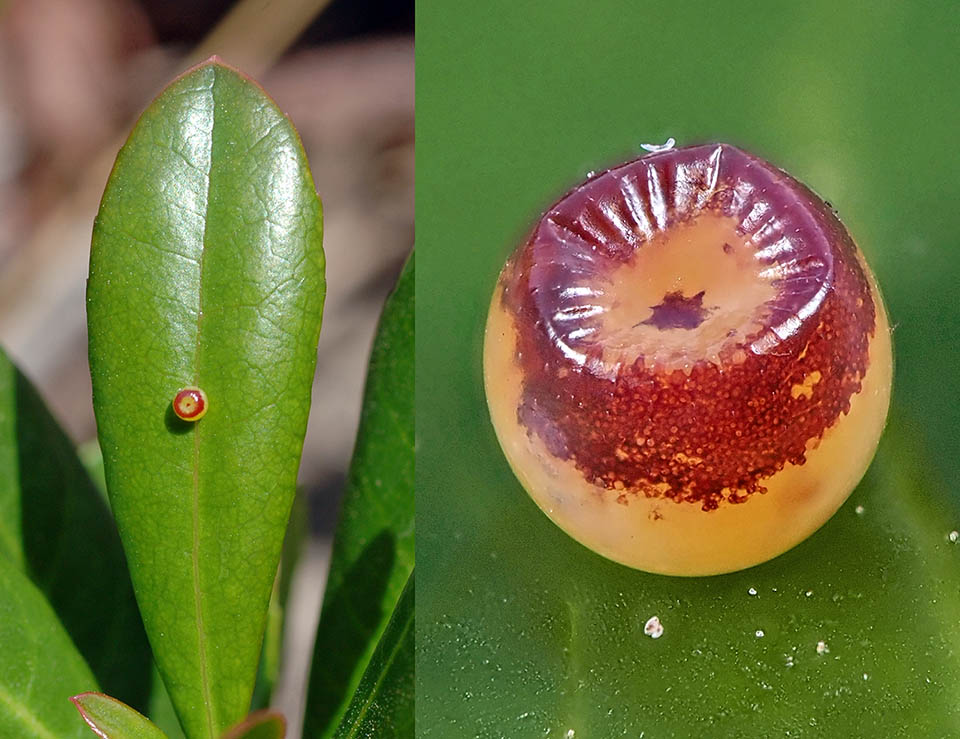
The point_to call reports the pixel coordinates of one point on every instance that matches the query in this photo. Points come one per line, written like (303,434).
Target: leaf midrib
(195,554)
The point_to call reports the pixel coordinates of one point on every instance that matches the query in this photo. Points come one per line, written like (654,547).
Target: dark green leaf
(269,666)
(111,719)
(259,725)
(55,526)
(206,270)
(39,666)
(160,709)
(293,544)
(383,705)
(373,544)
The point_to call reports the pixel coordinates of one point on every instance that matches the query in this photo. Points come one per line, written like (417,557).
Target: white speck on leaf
(653,628)
(656,148)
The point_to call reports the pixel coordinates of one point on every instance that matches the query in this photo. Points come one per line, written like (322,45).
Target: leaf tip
(79,698)
(214,60)
(78,701)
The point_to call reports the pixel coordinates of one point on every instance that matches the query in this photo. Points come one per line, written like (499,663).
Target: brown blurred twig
(254,34)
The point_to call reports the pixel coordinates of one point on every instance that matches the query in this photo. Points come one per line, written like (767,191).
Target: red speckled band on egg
(715,428)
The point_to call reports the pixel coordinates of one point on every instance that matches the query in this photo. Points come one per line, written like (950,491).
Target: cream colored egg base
(659,535)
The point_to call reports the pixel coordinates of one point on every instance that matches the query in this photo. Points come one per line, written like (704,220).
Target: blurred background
(75,75)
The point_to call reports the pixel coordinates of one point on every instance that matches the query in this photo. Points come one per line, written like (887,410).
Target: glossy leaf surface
(374,542)
(383,704)
(39,666)
(206,270)
(520,629)
(55,526)
(111,719)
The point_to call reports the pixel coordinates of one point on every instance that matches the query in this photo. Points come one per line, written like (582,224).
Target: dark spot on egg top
(676,311)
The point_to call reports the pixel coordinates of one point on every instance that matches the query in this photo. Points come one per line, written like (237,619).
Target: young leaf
(55,526)
(373,544)
(259,725)
(383,705)
(39,666)
(112,719)
(206,270)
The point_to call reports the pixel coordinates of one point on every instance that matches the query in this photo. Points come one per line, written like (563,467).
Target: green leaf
(92,460)
(374,541)
(55,526)
(39,666)
(259,725)
(383,705)
(206,270)
(111,719)
(268,667)
(298,531)
(520,629)
(161,710)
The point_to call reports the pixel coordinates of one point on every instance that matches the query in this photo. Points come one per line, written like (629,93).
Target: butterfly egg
(688,363)
(190,403)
